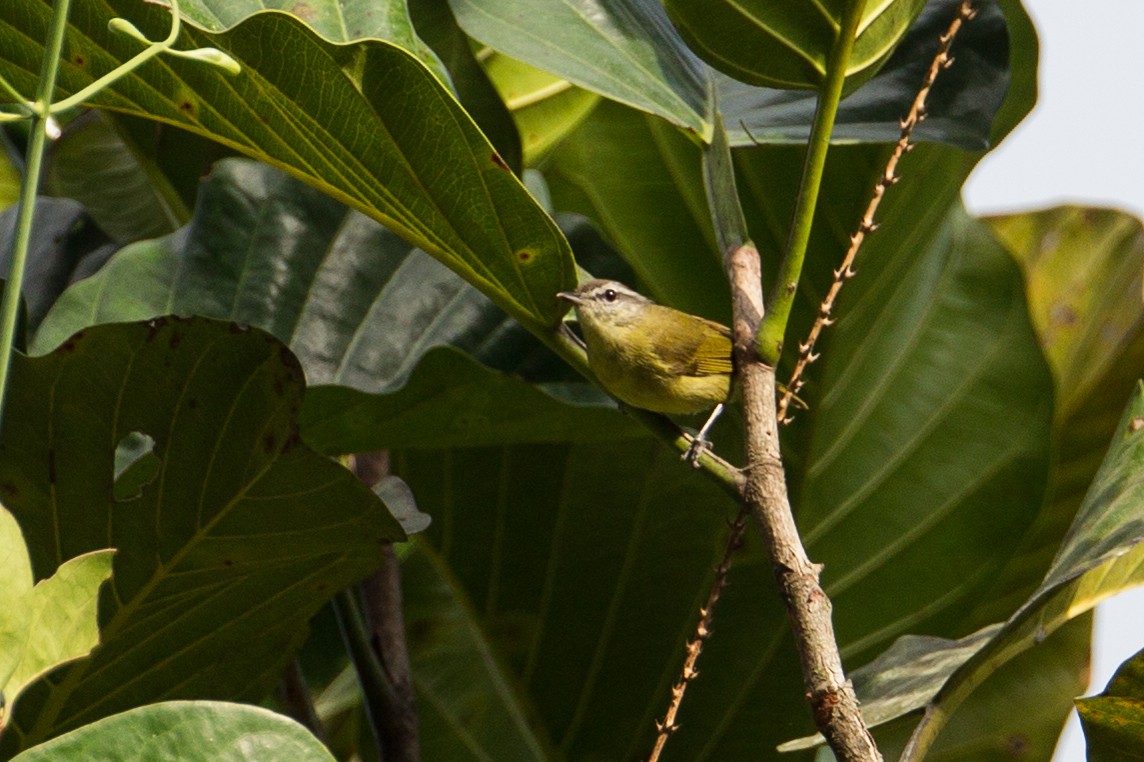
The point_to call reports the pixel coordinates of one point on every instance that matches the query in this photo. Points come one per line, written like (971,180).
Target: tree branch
(383,660)
(831,695)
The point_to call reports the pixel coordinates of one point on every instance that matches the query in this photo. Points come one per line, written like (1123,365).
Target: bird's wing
(706,355)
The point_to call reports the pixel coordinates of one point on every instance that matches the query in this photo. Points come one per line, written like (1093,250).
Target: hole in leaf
(136,465)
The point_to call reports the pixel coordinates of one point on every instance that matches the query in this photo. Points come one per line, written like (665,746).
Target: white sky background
(1081,145)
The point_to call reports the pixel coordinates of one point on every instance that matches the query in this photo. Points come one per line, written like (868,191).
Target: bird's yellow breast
(658,370)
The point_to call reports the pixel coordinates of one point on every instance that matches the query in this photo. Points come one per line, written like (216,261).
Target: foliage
(400,279)
(1113,721)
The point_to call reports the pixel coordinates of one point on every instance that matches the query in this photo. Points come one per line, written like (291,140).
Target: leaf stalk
(769,340)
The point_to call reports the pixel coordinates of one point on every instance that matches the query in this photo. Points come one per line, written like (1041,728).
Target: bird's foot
(695,451)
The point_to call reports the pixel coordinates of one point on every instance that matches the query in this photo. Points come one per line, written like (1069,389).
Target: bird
(654,357)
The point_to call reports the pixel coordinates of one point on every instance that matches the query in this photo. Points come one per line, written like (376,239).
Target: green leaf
(1081,268)
(544,107)
(1113,722)
(583,581)
(336,20)
(1102,555)
(363,121)
(468,705)
(49,623)
(451,401)
(186,730)
(1019,710)
(626,51)
(240,537)
(789,45)
(122,189)
(960,109)
(934,351)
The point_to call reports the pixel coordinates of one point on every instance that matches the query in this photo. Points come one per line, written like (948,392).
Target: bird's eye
(610,295)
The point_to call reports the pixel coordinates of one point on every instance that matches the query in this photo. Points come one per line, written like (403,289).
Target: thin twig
(382,608)
(381,594)
(845,272)
(294,695)
(702,632)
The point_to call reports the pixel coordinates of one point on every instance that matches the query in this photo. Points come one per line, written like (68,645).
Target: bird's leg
(699,442)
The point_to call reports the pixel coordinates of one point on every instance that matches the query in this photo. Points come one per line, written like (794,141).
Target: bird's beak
(570,296)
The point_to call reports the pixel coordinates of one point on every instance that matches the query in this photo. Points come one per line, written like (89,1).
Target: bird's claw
(695,451)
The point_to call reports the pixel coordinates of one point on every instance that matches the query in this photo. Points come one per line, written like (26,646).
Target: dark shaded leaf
(122,189)
(242,535)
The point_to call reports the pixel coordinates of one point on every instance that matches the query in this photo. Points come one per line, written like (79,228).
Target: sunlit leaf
(790,45)
(186,730)
(364,121)
(1114,721)
(625,50)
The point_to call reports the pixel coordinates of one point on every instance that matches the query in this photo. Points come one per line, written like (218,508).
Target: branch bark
(831,695)
(383,611)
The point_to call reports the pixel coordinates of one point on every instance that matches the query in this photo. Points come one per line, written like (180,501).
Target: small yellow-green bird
(650,356)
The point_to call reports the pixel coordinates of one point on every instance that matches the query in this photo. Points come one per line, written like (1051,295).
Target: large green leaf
(1082,269)
(336,20)
(960,108)
(210,731)
(1018,712)
(1114,721)
(1102,555)
(355,302)
(790,45)
(242,533)
(365,122)
(625,50)
(583,580)
(469,707)
(931,434)
(452,401)
(120,187)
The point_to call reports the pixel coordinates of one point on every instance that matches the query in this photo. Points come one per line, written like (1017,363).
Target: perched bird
(654,357)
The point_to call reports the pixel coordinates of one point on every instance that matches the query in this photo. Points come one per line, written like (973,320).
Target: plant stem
(10,305)
(294,695)
(377,692)
(769,342)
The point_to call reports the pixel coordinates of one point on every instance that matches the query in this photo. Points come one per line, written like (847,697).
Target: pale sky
(1082,144)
